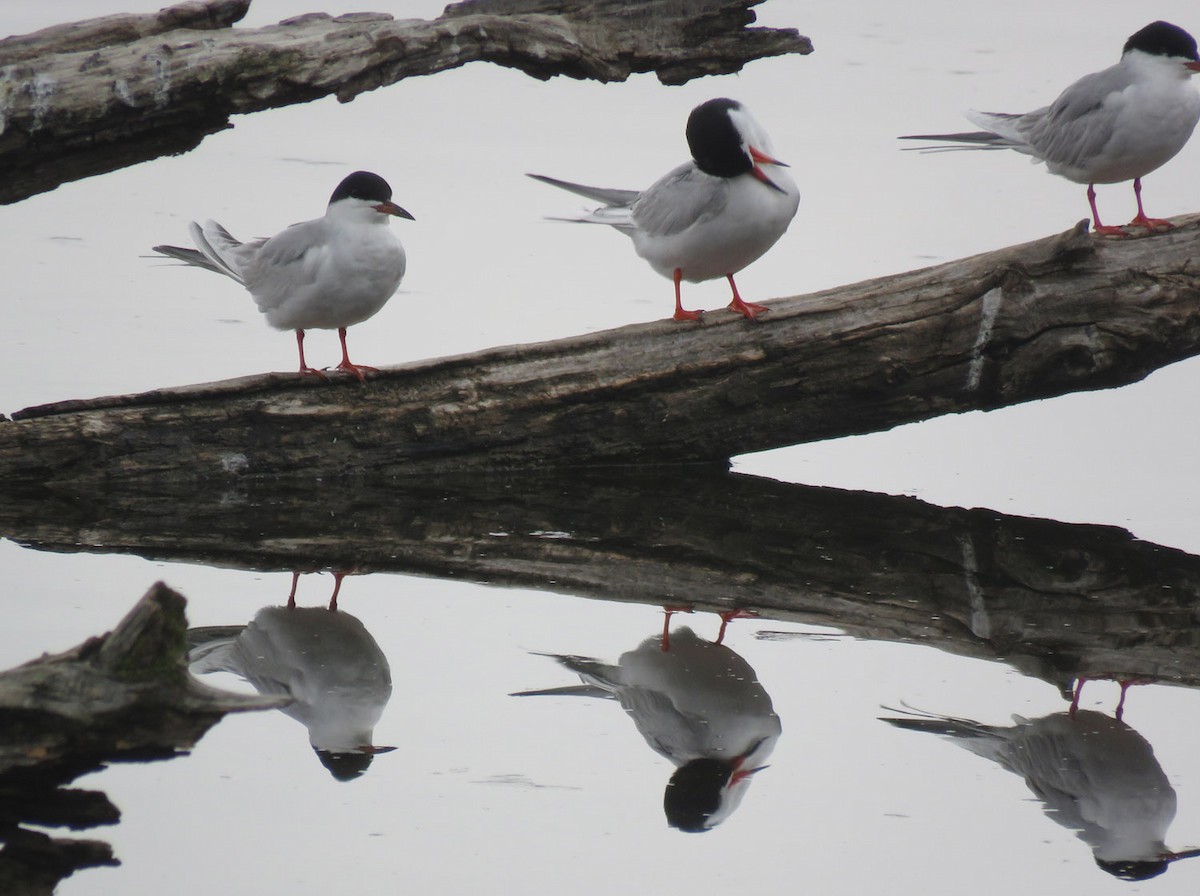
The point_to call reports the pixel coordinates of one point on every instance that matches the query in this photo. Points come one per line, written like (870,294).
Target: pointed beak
(743,773)
(761,158)
(1193,67)
(1182,854)
(390,208)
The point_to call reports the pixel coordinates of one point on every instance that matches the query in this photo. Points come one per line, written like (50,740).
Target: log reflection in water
(123,696)
(1055,600)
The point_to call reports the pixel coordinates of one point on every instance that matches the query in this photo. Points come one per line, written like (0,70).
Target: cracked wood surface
(1057,315)
(90,97)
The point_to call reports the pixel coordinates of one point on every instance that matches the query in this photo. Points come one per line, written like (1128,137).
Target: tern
(697,703)
(328,273)
(710,217)
(1093,774)
(325,660)
(1108,127)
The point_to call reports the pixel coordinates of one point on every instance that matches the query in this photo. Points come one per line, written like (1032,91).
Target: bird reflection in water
(1095,776)
(697,703)
(323,658)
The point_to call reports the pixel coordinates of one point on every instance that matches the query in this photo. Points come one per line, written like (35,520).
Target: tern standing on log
(328,273)
(709,217)
(1110,126)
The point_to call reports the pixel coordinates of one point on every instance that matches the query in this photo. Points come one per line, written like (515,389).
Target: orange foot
(1151,223)
(356,369)
(747,309)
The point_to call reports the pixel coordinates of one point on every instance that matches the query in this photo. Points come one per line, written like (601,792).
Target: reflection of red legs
(338,575)
(728,616)
(291,601)
(668,612)
(1125,684)
(337,586)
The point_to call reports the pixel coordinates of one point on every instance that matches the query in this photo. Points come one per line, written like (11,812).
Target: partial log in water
(1062,314)
(94,96)
(121,696)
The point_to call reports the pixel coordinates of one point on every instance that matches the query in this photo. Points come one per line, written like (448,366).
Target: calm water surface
(564,792)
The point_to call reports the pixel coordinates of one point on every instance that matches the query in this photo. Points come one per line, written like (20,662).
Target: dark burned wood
(122,696)
(99,95)
(1053,316)
(1054,600)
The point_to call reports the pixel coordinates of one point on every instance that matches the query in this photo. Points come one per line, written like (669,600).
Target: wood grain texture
(81,99)
(1067,313)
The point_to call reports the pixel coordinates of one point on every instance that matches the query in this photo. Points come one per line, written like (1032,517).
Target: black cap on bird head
(1141,869)
(363,185)
(693,794)
(715,141)
(345,766)
(1163,39)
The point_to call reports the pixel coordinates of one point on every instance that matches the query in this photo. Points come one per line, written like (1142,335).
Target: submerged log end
(127,693)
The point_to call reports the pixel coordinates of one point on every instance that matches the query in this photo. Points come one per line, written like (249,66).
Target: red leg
(337,586)
(730,615)
(668,612)
(1079,683)
(304,368)
(1150,223)
(346,365)
(747,309)
(1125,686)
(291,601)
(680,314)
(1099,228)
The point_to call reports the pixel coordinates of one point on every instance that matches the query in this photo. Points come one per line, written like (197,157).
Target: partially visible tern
(328,273)
(1110,126)
(710,217)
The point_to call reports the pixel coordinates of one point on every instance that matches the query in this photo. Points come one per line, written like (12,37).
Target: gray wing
(287,263)
(681,198)
(1077,126)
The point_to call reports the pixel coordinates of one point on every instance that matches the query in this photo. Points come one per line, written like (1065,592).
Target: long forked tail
(605,195)
(1003,131)
(951,142)
(212,252)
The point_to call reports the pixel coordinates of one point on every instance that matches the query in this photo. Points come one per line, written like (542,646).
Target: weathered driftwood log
(94,96)
(1061,314)
(124,695)
(1054,600)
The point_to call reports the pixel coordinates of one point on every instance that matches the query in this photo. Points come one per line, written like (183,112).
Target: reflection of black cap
(694,793)
(1135,870)
(344,766)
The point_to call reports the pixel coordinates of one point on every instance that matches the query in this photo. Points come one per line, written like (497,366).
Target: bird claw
(1157,225)
(357,370)
(748,310)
